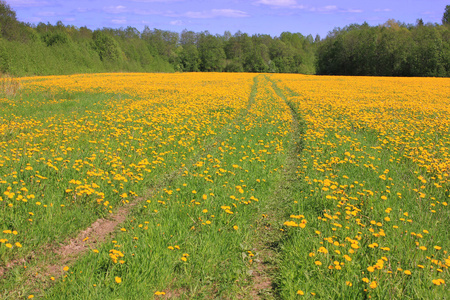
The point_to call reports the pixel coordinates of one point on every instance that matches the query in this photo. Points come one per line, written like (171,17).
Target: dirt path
(88,239)
(49,261)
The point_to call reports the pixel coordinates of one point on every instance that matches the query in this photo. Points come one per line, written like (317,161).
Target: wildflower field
(227,186)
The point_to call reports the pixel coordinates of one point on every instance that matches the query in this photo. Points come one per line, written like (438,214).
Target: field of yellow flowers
(249,186)
(375,170)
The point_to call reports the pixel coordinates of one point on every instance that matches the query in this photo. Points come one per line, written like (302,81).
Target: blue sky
(251,16)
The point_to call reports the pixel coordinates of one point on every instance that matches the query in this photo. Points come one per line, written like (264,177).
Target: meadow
(228,186)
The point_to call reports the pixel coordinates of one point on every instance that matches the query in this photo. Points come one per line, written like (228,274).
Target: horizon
(252,17)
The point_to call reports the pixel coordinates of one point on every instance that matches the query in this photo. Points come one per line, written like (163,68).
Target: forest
(390,49)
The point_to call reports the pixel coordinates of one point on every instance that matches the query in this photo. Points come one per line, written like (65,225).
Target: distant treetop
(446,16)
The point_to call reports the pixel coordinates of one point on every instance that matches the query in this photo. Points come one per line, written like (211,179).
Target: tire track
(269,229)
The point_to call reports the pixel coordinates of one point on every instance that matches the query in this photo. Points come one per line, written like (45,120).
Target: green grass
(217,200)
(85,140)
(350,209)
(210,213)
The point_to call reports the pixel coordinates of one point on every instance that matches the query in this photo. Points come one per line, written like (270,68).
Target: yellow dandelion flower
(158,293)
(438,281)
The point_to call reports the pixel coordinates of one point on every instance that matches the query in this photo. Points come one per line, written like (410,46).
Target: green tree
(428,52)
(57,37)
(282,54)
(107,48)
(163,42)
(446,16)
(189,58)
(5,60)
(10,28)
(212,55)
(188,53)
(256,60)
(8,21)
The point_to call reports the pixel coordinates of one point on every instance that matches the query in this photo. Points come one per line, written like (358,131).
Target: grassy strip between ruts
(269,233)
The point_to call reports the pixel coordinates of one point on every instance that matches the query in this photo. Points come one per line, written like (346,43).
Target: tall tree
(107,47)
(8,20)
(446,16)
(10,28)
(187,52)
(163,41)
(212,55)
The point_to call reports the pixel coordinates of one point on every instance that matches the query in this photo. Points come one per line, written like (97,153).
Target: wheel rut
(269,230)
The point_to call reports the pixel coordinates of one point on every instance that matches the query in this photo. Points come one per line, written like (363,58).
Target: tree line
(390,49)
(28,49)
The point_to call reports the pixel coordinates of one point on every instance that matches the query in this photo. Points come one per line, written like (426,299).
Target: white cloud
(383,10)
(329,8)
(333,9)
(206,14)
(120,21)
(82,9)
(292,4)
(151,12)
(228,13)
(357,11)
(231,13)
(115,9)
(281,3)
(199,14)
(177,23)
